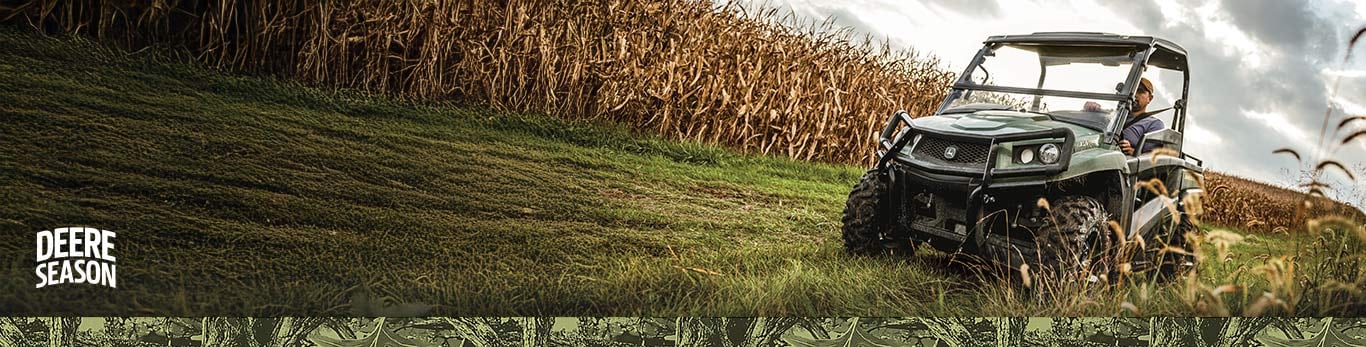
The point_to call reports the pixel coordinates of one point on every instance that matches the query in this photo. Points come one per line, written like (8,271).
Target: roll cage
(1144,51)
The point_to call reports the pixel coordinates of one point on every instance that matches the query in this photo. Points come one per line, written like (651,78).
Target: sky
(1263,72)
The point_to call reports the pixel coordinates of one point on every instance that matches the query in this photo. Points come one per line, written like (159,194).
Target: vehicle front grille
(966,152)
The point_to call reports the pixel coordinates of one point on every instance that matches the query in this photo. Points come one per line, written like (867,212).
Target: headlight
(1048,153)
(1027,155)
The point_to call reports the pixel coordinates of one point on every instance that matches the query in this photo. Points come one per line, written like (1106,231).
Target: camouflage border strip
(680,331)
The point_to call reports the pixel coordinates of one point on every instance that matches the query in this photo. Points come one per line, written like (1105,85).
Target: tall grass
(686,69)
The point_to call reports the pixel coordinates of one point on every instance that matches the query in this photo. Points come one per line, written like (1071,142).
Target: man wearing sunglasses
(1139,121)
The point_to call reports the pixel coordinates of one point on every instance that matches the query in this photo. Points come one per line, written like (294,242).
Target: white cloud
(1197,136)
(1349,107)
(1175,14)
(1281,124)
(1217,28)
(1344,73)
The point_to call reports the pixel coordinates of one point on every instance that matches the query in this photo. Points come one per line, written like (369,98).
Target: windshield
(1094,114)
(1043,68)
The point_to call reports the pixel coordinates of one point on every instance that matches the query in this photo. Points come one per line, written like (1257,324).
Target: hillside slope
(243,196)
(232,195)
(1262,207)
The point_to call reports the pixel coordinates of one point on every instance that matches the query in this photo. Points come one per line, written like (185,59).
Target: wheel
(868,219)
(1172,264)
(1074,242)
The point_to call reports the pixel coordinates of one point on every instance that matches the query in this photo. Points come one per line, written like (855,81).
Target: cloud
(987,8)
(844,17)
(1348,106)
(1292,26)
(877,20)
(1282,124)
(1198,136)
(1344,73)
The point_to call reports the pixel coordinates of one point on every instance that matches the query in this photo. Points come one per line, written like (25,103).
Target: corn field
(684,69)
(1256,206)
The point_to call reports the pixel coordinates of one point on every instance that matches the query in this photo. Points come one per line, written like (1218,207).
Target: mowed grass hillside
(238,196)
(235,195)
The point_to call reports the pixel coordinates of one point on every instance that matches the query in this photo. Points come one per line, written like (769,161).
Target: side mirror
(1167,138)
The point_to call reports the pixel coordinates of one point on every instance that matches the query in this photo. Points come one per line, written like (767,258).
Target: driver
(1138,121)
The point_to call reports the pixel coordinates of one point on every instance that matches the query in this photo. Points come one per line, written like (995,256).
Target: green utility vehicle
(1022,163)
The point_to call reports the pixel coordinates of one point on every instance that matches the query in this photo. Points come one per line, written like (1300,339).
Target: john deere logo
(950,152)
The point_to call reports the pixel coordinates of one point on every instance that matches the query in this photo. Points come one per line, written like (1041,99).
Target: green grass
(239,195)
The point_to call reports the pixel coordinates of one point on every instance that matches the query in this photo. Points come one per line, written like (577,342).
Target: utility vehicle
(1021,164)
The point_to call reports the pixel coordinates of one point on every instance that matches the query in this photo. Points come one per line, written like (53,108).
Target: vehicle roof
(1087,37)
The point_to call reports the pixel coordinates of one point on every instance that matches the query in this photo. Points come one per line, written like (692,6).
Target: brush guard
(899,132)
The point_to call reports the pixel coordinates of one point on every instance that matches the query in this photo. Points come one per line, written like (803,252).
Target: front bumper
(958,214)
(958,207)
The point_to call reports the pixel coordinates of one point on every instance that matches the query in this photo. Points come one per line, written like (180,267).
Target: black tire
(868,220)
(1171,264)
(1076,239)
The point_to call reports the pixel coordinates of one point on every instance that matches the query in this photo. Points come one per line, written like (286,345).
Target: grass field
(245,196)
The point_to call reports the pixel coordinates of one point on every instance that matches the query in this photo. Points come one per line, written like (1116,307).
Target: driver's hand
(1125,147)
(1091,106)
